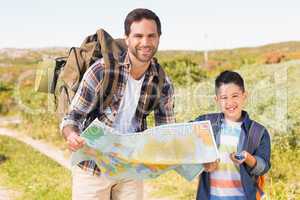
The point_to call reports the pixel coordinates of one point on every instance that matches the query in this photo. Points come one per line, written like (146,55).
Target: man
(138,92)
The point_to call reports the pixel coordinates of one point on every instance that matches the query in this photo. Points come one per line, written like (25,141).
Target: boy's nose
(229,102)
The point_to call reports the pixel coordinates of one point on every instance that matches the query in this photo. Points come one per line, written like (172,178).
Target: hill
(250,55)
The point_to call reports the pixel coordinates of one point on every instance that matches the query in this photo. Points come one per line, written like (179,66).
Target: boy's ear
(245,98)
(216,98)
(246,95)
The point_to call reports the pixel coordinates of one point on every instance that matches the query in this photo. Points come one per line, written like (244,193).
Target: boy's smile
(231,98)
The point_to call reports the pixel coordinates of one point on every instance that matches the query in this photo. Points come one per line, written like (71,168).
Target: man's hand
(73,139)
(210,167)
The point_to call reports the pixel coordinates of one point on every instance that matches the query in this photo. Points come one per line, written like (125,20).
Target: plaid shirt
(90,94)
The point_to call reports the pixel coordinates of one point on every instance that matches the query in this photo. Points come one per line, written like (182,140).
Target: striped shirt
(87,97)
(226,180)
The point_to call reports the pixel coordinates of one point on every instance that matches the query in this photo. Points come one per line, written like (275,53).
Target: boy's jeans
(89,187)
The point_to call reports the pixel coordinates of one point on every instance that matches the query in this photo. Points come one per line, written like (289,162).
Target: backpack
(69,70)
(256,132)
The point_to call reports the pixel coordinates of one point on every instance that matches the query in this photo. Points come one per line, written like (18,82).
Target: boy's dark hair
(139,14)
(227,77)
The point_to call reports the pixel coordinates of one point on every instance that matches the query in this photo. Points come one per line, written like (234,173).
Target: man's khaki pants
(89,187)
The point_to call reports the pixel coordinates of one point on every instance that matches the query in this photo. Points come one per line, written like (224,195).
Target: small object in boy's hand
(239,156)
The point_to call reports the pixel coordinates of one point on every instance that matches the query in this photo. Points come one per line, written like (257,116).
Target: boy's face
(231,99)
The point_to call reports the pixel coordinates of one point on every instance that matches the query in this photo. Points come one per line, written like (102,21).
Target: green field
(31,174)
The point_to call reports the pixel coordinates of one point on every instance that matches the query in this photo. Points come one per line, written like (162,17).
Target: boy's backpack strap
(256,132)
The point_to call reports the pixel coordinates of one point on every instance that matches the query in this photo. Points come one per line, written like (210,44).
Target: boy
(234,176)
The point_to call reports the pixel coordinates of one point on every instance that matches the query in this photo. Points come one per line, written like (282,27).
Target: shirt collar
(246,122)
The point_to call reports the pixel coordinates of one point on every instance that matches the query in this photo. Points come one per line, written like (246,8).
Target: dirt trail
(4,194)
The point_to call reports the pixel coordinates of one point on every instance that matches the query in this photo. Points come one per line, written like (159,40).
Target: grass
(31,174)
(173,186)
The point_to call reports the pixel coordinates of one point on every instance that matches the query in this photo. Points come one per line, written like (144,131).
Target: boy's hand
(210,167)
(236,160)
(249,159)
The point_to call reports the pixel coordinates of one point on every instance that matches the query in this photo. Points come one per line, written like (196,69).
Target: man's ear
(126,40)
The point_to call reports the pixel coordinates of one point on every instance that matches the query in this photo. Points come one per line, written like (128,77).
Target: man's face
(143,40)
(231,100)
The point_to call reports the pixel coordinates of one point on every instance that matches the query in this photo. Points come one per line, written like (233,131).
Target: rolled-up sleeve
(259,167)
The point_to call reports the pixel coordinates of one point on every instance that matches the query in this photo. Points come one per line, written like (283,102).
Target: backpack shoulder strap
(154,100)
(112,51)
(162,76)
(256,132)
(214,118)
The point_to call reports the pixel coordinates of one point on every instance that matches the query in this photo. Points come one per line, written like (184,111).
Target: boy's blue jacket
(248,175)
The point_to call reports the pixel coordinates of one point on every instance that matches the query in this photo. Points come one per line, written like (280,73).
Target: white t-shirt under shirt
(125,120)
(226,180)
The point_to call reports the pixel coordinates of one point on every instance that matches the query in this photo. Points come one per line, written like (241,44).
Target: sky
(186,25)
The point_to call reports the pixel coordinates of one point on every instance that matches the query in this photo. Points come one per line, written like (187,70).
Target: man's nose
(145,41)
